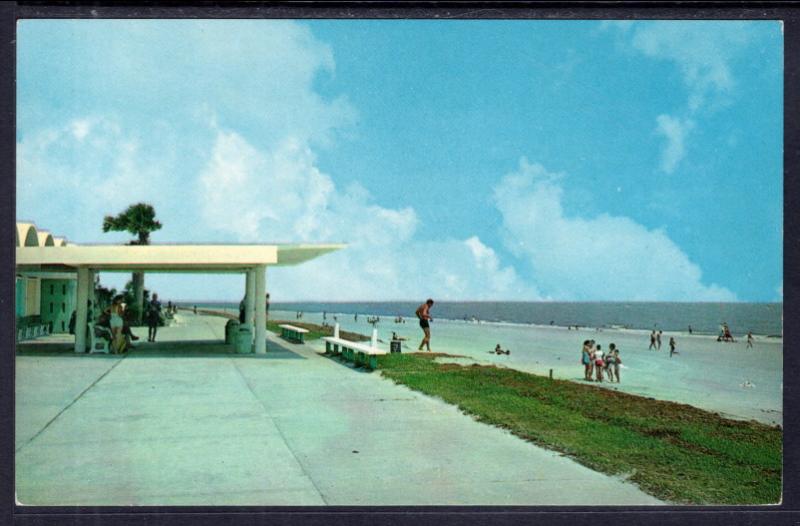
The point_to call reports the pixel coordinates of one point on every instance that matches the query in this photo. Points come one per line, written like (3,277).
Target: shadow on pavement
(179,349)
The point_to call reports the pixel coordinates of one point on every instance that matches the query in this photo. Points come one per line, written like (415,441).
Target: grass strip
(315,331)
(672,451)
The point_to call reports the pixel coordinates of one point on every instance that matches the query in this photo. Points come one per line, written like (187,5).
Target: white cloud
(601,258)
(282,195)
(80,128)
(702,50)
(150,136)
(69,177)
(675,130)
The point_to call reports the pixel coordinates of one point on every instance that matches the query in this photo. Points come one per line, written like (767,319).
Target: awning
(165,258)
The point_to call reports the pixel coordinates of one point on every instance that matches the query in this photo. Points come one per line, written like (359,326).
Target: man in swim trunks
(423,312)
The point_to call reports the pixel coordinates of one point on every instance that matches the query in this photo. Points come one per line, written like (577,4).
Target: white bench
(98,343)
(358,353)
(292,333)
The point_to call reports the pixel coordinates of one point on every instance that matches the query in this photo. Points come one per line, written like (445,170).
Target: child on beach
(617,362)
(672,346)
(599,363)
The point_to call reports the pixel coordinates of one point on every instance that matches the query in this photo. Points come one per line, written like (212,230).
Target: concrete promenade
(186,422)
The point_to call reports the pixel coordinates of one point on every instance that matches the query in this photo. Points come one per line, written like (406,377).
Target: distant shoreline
(289,307)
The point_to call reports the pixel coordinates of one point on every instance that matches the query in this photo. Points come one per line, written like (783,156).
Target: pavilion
(42,256)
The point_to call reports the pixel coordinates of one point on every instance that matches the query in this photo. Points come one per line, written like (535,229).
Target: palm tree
(138,219)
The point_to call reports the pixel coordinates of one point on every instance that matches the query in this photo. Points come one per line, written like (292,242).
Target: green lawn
(673,451)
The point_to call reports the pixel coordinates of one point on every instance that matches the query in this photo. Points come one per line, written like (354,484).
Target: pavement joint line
(34,437)
(280,432)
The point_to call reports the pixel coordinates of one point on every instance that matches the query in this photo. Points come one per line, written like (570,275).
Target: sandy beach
(706,374)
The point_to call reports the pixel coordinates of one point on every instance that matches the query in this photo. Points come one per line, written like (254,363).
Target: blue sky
(525,160)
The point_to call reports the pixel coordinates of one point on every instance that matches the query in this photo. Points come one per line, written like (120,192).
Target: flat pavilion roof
(165,258)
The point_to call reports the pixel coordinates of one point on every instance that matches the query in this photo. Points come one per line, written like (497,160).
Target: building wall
(57,302)
(32,296)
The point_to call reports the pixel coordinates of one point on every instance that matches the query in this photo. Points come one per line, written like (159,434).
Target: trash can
(244,340)
(395,346)
(231,330)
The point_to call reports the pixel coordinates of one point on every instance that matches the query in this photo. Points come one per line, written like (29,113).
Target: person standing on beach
(586,360)
(672,346)
(610,361)
(750,339)
(599,363)
(652,340)
(658,340)
(690,329)
(423,312)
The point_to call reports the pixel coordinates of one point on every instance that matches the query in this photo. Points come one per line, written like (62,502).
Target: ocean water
(705,318)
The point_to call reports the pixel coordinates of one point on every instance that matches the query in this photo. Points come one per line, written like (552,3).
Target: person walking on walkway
(423,312)
(153,318)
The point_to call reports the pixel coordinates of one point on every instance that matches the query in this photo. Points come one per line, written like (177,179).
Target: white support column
(250,298)
(80,309)
(90,292)
(260,298)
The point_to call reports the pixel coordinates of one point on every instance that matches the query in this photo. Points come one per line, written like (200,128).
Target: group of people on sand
(726,336)
(655,343)
(598,363)
(499,350)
